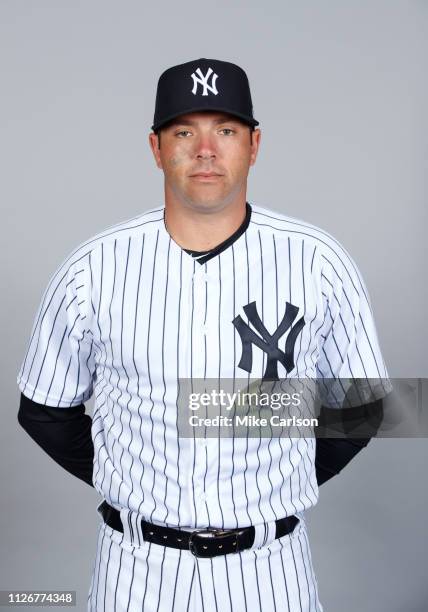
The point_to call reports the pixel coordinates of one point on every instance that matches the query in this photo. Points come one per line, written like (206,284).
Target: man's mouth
(206,176)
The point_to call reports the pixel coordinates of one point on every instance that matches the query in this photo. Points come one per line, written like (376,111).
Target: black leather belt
(209,542)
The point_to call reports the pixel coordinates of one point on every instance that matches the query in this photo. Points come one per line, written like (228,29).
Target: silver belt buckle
(199,537)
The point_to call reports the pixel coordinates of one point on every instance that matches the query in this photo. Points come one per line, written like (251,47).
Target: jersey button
(203,497)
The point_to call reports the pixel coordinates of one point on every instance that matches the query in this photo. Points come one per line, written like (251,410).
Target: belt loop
(264,534)
(132,529)
(302,520)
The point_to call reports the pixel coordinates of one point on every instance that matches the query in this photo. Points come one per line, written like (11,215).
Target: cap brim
(245,118)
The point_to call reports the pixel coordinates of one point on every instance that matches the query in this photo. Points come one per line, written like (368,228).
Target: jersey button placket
(198,444)
(200,332)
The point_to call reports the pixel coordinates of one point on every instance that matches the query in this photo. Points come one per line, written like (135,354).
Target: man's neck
(202,231)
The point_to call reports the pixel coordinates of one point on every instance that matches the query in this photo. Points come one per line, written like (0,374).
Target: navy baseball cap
(203,85)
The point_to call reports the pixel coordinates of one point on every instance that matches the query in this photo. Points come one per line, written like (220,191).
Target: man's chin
(206,203)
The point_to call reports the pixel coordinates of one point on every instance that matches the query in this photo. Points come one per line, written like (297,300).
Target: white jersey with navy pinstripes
(129,313)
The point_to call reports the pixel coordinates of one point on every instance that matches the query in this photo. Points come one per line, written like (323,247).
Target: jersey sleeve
(350,361)
(58,368)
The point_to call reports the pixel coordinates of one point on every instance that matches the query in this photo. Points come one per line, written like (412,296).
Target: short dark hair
(158,132)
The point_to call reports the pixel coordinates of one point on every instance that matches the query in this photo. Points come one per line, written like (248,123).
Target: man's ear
(154,145)
(255,143)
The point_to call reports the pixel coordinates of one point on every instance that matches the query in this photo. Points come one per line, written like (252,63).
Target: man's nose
(205,147)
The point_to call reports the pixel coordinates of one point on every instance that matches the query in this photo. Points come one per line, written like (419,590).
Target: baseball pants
(140,576)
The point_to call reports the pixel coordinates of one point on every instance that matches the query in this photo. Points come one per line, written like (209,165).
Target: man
(206,287)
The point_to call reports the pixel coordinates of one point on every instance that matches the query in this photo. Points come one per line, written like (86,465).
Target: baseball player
(205,286)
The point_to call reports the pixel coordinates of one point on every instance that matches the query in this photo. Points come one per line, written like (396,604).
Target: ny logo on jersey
(268,342)
(199,78)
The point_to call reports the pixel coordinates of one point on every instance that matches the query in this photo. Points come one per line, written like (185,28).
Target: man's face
(205,158)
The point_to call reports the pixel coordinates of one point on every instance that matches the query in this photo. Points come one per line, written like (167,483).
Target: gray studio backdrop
(341,94)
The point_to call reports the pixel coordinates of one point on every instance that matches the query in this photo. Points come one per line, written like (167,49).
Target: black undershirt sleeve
(333,454)
(63,433)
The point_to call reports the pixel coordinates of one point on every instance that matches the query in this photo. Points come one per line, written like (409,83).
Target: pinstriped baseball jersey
(130,313)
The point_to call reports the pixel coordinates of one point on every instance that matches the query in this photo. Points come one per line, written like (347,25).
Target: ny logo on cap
(199,78)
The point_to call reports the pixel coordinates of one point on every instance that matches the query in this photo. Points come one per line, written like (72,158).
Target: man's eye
(229,130)
(182,132)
